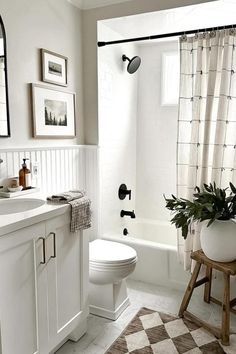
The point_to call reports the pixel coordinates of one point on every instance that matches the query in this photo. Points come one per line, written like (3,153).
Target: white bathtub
(159,232)
(156,245)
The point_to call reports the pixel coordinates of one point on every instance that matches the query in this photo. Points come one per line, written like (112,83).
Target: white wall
(156,136)
(57,25)
(30,25)
(210,14)
(54,25)
(117,132)
(90,18)
(137,134)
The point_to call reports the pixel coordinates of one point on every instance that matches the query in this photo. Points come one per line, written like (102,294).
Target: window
(170,78)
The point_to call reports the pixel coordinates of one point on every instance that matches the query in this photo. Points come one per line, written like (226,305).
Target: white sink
(14,206)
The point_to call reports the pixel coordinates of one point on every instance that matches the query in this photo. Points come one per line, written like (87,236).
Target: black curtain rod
(158,36)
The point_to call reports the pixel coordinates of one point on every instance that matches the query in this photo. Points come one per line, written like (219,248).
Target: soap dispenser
(25,176)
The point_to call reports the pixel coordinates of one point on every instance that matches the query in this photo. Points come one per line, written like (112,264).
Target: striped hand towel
(80,214)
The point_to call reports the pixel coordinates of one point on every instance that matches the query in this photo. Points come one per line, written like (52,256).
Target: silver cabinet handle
(44,250)
(54,244)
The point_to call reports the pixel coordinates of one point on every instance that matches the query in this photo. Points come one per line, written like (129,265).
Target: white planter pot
(218,241)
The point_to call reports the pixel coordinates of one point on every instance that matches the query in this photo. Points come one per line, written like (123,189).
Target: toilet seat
(103,253)
(110,268)
(110,262)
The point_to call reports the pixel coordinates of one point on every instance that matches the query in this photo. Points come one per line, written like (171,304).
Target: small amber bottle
(25,176)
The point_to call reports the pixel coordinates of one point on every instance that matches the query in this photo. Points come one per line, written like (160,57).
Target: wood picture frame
(53,112)
(54,68)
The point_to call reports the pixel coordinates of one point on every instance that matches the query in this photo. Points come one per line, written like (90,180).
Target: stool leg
(189,290)
(226,310)
(207,289)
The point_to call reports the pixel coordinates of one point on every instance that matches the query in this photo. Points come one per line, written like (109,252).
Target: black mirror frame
(6,80)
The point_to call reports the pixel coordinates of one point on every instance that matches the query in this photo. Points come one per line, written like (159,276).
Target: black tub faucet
(127,213)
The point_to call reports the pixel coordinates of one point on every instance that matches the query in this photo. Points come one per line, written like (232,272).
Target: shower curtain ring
(204,33)
(183,37)
(197,34)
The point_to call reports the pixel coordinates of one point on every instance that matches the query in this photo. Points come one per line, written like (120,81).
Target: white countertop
(16,221)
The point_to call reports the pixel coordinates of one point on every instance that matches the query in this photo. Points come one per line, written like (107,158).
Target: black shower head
(133,65)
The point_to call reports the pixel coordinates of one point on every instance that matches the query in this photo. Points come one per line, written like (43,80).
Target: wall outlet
(35,169)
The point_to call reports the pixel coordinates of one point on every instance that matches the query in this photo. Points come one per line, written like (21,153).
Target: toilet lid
(103,251)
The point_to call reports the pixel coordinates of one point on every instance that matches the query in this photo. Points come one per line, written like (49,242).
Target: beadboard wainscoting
(59,169)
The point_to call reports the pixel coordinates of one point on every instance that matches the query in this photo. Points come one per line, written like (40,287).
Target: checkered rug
(152,332)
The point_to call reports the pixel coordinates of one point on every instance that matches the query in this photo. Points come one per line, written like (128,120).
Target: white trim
(77,3)
(164,102)
(46,148)
(112,315)
(92,4)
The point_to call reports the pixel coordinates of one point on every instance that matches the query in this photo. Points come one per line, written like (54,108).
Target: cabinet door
(41,259)
(64,278)
(18,298)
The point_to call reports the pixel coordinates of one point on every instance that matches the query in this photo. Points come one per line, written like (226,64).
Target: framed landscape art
(53,112)
(54,68)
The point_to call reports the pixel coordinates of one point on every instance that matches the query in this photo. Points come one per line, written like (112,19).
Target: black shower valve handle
(128,192)
(123,192)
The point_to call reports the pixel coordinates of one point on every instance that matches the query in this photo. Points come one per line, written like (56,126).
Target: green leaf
(207,188)
(209,203)
(197,189)
(210,222)
(185,231)
(232,187)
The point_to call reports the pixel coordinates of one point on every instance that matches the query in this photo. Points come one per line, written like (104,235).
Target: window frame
(164,98)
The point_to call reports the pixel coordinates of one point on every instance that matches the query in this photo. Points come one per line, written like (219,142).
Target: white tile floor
(102,332)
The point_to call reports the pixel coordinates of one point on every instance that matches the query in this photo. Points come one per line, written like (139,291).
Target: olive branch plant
(209,203)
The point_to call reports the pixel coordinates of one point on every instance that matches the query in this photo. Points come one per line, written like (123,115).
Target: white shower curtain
(207,119)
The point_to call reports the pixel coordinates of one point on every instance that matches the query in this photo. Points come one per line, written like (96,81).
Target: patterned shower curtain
(207,119)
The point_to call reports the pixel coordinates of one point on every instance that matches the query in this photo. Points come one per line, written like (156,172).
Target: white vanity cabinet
(43,296)
(65,275)
(18,297)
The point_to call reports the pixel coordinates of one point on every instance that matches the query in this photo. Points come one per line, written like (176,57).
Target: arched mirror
(4,106)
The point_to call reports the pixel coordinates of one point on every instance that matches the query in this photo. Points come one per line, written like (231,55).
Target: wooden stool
(228,269)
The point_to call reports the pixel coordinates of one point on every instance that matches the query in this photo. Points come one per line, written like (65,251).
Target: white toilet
(109,264)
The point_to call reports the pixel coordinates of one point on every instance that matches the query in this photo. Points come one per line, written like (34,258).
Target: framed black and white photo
(54,68)
(53,112)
